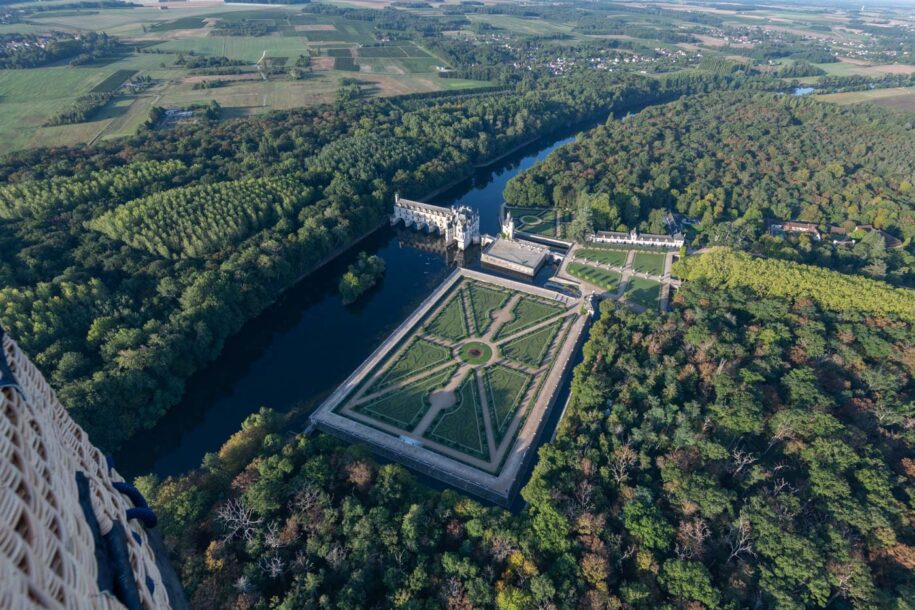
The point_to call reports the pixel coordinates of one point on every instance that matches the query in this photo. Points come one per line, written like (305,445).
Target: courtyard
(461,389)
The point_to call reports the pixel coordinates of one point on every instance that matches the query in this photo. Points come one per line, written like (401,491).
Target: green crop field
(244,48)
(419,356)
(406,406)
(643,292)
(646,262)
(605,256)
(531,349)
(451,323)
(608,280)
(505,389)
(462,427)
(113,82)
(483,302)
(31,97)
(529,311)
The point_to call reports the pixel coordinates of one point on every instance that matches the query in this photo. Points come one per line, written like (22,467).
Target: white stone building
(458,224)
(508,226)
(634,238)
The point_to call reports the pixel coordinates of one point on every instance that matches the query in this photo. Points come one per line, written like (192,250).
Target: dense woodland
(126,265)
(18,51)
(741,451)
(732,161)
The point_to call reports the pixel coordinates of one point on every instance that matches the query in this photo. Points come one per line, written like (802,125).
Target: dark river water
(299,349)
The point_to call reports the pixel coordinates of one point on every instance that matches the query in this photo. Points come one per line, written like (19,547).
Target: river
(300,348)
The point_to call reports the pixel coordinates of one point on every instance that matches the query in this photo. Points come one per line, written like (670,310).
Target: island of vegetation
(361,275)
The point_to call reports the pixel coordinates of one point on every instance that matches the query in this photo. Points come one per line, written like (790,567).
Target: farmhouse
(634,238)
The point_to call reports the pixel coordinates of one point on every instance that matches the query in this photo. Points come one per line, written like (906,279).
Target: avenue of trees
(733,160)
(831,290)
(742,451)
(124,266)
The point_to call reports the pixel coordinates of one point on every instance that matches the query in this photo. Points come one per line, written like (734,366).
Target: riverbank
(298,349)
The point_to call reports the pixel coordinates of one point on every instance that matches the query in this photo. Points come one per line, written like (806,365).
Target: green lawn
(450,323)
(613,258)
(608,280)
(420,355)
(644,292)
(475,352)
(527,312)
(531,349)
(462,427)
(484,301)
(647,262)
(538,221)
(505,388)
(406,406)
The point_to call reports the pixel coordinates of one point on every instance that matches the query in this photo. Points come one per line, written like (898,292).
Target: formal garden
(608,280)
(538,221)
(466,374)
(643,292)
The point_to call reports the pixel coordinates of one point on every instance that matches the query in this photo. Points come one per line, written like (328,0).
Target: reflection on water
(300,348)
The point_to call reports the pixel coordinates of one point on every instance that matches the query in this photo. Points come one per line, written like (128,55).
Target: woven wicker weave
(47,551)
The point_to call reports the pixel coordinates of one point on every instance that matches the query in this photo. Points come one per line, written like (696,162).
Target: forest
(18,51)
(734,160)
(125,266)
(744,450)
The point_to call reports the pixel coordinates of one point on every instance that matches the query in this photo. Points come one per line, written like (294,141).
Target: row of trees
(732,453)
(830,290)
(200,219)
(82,109)
(49,196)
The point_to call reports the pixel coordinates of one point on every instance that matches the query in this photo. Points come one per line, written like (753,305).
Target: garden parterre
(465,380)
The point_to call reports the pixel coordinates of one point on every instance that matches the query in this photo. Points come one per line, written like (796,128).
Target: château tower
(508,226)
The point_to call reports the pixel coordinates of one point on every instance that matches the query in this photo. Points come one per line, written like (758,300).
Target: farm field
(33,96)
(463,378)
(898,98)
(245,48)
